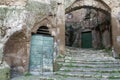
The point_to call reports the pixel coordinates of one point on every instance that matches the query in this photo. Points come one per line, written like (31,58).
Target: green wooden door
(41,54)
(86,40)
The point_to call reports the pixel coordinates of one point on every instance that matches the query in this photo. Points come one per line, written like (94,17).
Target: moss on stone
(56,66)
(4,71)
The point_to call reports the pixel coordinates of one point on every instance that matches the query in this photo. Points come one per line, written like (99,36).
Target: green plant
(60,56)
(57,66)
(70,65)
(114,77)
(108,50)
(27,74)
(65,76)
(118,56)
(66,70)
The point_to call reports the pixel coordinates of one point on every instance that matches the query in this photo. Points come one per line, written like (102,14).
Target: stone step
(85,52)
(91,59)
(97,60)
(80,78)
(67,77)
(79,69)
(33,77)
(88,74)
(112,65)
(92,62)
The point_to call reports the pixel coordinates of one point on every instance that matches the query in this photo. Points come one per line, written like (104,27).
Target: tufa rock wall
(17,18)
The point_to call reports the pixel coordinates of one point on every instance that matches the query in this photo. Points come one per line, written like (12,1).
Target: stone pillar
(96,39)
(106,39)
(115,31)
(60,20)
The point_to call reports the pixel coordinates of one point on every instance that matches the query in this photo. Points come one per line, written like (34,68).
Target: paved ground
(83,64)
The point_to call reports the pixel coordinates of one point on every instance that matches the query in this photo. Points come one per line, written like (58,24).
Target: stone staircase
(83,64)
(88,64)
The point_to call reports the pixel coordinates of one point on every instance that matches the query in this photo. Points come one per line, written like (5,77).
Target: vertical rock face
(17,18)
(7,29)
(13,21)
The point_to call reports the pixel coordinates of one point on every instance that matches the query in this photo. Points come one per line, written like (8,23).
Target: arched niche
(77,4)
(46,22)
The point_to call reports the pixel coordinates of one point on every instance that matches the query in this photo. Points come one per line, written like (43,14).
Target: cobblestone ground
(83,64)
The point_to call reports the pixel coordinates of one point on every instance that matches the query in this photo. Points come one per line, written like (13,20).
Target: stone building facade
(19,19)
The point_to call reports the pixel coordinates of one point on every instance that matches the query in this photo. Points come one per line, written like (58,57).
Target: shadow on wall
(15,52)
(119,16)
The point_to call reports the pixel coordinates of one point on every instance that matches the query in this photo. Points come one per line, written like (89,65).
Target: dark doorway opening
(43,30)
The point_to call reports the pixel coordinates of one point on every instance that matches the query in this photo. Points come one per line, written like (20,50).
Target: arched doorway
(88,25)
(41,52)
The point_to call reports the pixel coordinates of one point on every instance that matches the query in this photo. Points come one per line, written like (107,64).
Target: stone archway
(103,21)
(77,4)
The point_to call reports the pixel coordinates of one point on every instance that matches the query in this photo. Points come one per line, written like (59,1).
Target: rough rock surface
(17,18)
